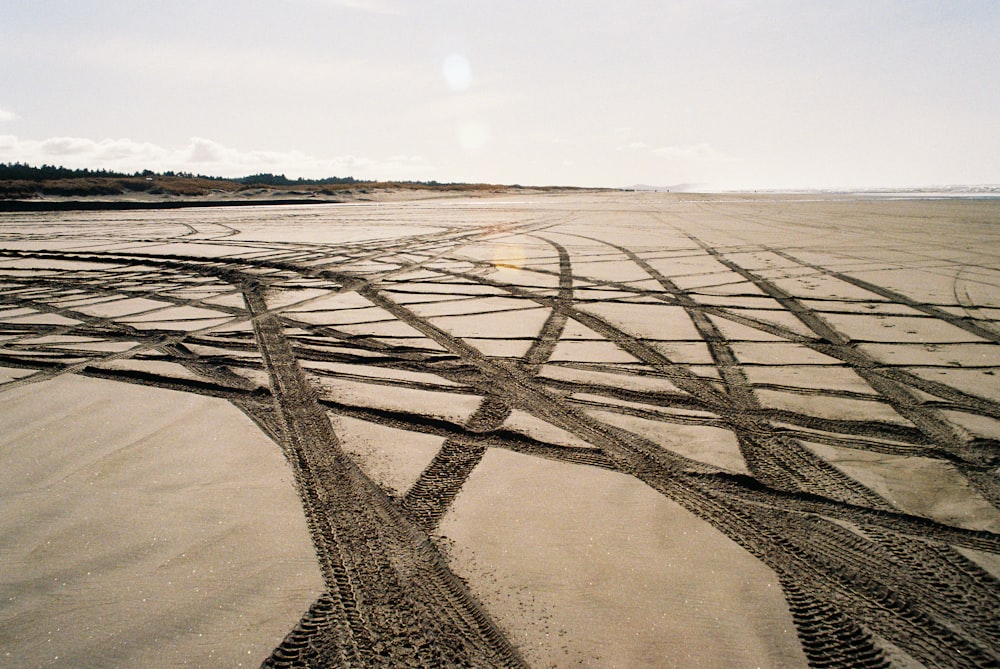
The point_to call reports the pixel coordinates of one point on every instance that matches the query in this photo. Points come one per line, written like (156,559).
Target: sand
(144,527)
(585,429)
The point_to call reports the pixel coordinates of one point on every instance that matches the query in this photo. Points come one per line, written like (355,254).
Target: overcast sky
(726,94)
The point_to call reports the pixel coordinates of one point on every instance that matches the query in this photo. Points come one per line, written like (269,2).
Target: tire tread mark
(948,435)
(392,585)
(439,484)
(970,325)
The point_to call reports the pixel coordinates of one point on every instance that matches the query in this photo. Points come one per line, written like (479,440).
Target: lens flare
(457,72)
(508,258)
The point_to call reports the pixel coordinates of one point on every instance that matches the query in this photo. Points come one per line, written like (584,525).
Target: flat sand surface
(562,430)
(144,528)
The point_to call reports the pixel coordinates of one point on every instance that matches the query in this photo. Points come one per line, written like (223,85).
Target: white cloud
(64,146)
(207,151)
(203,156)
(6,115)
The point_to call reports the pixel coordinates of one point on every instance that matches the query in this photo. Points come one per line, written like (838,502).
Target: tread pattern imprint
(833,341)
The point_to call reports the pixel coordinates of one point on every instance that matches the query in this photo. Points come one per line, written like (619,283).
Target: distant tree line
(25,172)
(268,179)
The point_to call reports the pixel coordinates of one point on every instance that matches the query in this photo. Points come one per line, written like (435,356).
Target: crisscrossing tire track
(624,292)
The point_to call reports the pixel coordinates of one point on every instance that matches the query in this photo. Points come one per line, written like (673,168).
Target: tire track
(388,585)
(969,324)
(947,435)
(859,576)
(896,623)
(962,400)
(800,470)
(829,638)
(439,484)
(776,460)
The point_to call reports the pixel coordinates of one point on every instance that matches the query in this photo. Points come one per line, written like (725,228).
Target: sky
(730,94)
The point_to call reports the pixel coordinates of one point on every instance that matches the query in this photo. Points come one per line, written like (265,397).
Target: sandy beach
(144,527)
(605,429)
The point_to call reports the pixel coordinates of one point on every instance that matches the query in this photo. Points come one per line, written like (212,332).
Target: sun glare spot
(508,258)
(457,72)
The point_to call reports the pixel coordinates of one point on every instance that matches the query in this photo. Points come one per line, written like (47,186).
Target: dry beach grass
(563,429)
